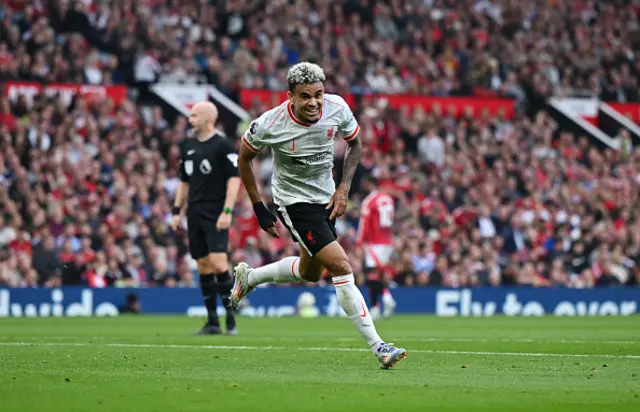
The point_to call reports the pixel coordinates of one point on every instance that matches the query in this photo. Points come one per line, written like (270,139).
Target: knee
(212,265)
(341,266)
(219,266)
(203,266)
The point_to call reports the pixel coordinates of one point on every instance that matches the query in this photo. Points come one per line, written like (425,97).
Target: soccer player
(209,180)
(375,236)
(300,134)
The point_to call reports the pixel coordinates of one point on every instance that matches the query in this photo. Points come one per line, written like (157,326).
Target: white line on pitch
(303,349)
(409,338)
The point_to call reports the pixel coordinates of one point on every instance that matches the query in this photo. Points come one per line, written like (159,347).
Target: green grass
(484,364)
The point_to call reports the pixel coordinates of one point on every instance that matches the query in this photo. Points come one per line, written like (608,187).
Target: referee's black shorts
(309,225)
(204,238)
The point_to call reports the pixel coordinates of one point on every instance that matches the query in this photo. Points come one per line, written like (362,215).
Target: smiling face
(306,100)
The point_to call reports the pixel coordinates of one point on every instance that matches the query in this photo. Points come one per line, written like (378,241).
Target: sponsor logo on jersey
(310,160)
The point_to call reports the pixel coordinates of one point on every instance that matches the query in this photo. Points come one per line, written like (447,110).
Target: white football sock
(286,270)
(354,306)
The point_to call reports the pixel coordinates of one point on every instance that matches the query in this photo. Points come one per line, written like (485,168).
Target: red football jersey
(376,219)
(246,226)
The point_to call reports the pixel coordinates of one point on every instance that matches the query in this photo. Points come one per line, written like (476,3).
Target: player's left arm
(351,161)
(350,129)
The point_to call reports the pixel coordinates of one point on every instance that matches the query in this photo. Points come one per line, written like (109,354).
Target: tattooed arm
(351,162)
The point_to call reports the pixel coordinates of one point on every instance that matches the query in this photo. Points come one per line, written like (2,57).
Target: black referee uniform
(207,166)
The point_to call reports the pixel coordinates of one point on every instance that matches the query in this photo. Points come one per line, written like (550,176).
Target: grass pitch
(150,363)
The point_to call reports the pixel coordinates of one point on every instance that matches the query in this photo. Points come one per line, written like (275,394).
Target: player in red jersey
(375,237)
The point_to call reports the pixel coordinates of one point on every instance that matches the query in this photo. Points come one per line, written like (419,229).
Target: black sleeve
(184,177)
(229,160)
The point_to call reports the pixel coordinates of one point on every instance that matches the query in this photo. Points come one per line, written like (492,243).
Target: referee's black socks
(208,286)
(225,284)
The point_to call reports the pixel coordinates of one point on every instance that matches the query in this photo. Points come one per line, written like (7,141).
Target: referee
(208,188)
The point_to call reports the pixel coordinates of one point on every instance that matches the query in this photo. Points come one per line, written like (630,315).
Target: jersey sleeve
(348,126)
(229,160)
(184,176)
(254,138)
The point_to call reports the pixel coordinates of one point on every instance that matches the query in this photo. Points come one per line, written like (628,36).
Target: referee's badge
(188,167)
(205,167)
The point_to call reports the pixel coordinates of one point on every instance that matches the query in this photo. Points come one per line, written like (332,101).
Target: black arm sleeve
(184,177)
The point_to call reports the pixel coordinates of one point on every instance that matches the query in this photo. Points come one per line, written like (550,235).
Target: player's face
(307,101)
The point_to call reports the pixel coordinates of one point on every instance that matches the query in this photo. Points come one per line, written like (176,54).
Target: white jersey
(303,153)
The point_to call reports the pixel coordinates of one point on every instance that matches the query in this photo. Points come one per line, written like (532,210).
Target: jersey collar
(213,136)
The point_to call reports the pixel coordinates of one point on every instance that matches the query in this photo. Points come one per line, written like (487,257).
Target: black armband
(175,210)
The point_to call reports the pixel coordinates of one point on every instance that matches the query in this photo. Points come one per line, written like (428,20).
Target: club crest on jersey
(205,167)
(188,167)
(330,133)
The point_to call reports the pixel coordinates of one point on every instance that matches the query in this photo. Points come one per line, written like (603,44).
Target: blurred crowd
(435,47)
(86,189)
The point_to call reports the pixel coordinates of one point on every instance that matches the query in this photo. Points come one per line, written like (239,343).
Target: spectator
(424,258)
(7,233)
(46,262)
(431,149)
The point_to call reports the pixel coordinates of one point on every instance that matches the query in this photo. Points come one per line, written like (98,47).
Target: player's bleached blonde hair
(304,73)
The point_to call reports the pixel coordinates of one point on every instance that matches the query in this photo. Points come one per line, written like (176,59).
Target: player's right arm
(252,143)
(245,158)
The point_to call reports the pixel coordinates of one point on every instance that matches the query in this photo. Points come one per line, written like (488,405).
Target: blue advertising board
(279,301)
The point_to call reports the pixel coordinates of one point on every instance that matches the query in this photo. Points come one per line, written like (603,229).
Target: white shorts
(376,256)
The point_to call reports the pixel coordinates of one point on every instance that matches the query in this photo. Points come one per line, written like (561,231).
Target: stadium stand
(525,192)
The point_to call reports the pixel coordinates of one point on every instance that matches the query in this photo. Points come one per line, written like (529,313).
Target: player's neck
(205,135)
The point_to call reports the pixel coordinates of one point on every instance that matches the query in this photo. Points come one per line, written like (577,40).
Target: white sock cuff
(343,280)
(295,269)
